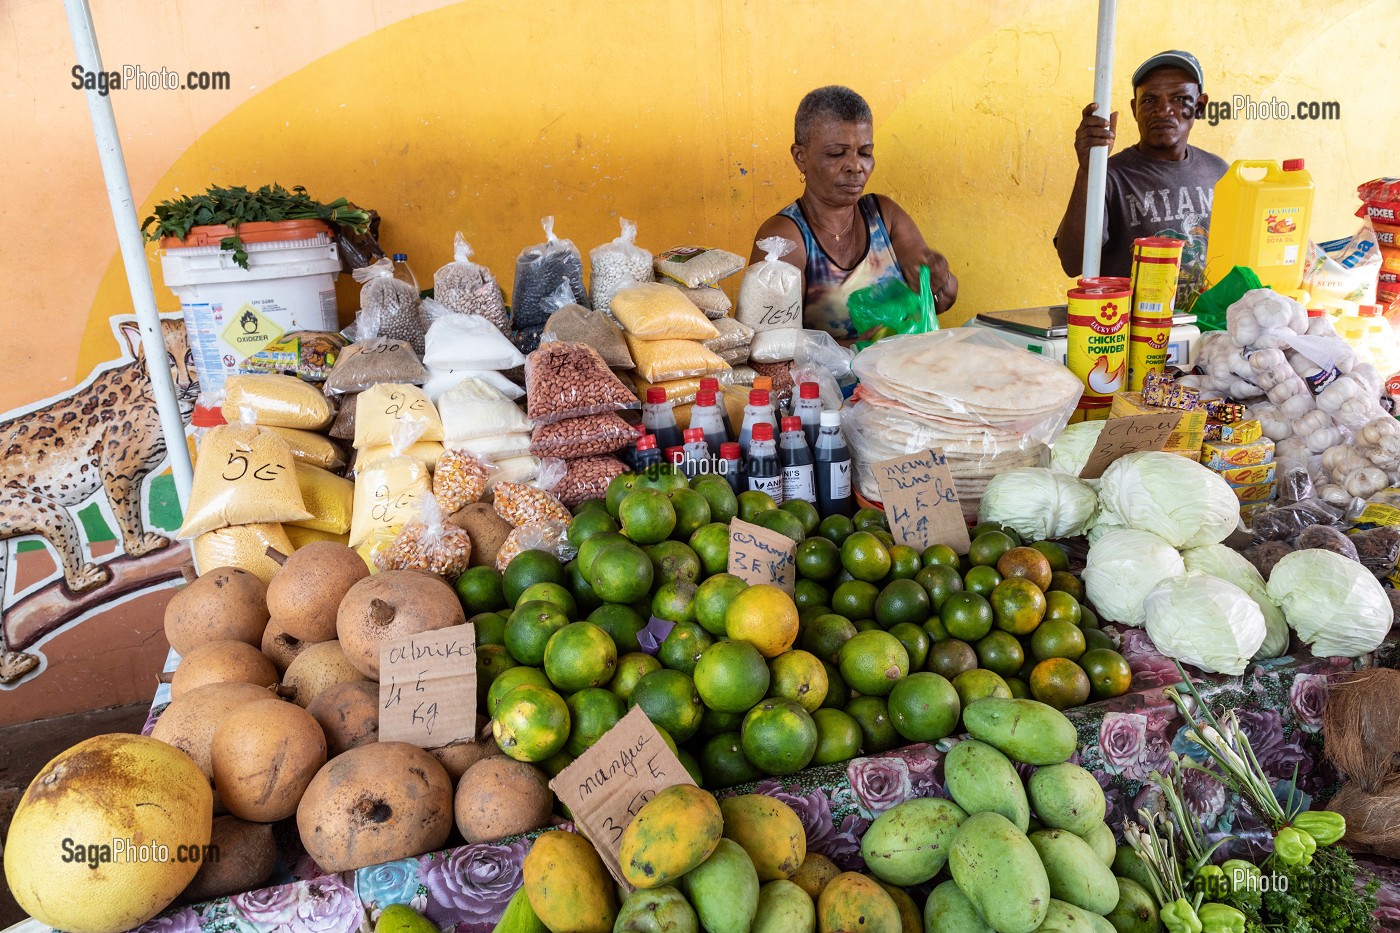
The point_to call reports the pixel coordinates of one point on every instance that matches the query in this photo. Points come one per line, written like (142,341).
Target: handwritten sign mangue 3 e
(427,687)
(921,501)
(757,555)
(609,783)
(1130,434)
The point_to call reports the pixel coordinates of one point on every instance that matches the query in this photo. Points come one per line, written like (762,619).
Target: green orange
(670,701)
(904,562)
(950,657)
(1108,672)
(754,503)
(621,573)
(799,676)
(631,668)
(872,714)
(674,601)
(838,736)
(622,623)
(723,763)
(528,568)
(712,600)
(589,523)
(940,581)
(1001,653)
(808,594)
(978,684)
(866,557)
(672,560)
(805,512)
(868,519)
(1026,562)
(480,590)
(818,559)
(529,629)
(784,523)
(592,712)
(924,707)
(872,662)
(915,641)
(683,646)
(1058,638)
(1054,553)
(836,529)
(942,554)
(579,655)
(508,680)
(966,616)
(724,504)
(981,580)
(647,516)
(692,512)
(855,599)
(489,628)
(779,736)
(1061,605)
(731,676)
(554,593)
(1060,683)
(1019,606)
(532,723)
(711,544)
(1065,582)
(988,547)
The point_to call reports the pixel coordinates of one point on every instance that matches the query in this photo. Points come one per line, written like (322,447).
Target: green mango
(981,779)
(400,918)
(656,910)
(1136,911)
(1026,731)
(908,843)
(948,910)
(1100,839)
(1077,876)
(783,907)
(1063,917)
(723,889)
(999,870)
(1066,796)
(1128,864)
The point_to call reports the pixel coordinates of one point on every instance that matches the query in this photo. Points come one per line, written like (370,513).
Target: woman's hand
(940,279)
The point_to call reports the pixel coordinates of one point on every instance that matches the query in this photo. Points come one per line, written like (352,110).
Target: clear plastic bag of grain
(538,270)
(388,409)
(313,448)
(428,542)
(697,266)
(732,335)
(576,324)
(570,380)
(708,298)
(770,295)
(373,360)
(389,307)
(244,547)
(245,474)
(466,287)
(616,265)
(522,504)
(461,478)
(549,536)
(276,401)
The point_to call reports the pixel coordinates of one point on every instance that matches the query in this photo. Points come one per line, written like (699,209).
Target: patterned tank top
(828,286)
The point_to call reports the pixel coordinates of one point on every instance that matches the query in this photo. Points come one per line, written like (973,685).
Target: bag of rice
(775,345)
(244,547)
(466,341)
(329,498)
(576,324)
(245,474)
(370,362)
(696,266)
(664,360)
(473,408)
(276,401)
(389,410)
(589,436)
(732,334)
(708,298)
(468,288)
(538,270)
(389,307)
(736,357)
(425,452)
(616,265)
(570,380)
(655,312)
(387,491)
(441,380)
(771,293)
(312,448)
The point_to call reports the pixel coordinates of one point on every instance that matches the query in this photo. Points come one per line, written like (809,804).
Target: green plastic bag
(895,307)
(1210,307)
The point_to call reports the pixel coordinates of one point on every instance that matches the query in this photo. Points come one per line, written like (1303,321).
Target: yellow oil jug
(1261,222)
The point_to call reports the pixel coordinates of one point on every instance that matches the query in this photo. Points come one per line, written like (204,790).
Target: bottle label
(799,482)
(841,479)
(773,485)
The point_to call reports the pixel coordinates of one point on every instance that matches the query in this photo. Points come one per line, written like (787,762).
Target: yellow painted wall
(486,115)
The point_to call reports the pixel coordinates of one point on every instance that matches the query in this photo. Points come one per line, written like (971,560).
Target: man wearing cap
(1161,186)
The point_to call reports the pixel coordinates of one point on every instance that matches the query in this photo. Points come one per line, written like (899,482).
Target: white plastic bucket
(231,313)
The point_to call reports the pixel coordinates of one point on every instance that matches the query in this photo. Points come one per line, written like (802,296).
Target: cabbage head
(1203,620)
(1177,499)
(1334,604)
(1072,447)
(1039,503)
(1125,565)
(1232,566)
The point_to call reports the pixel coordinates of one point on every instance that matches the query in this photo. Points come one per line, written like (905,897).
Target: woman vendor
(846,239)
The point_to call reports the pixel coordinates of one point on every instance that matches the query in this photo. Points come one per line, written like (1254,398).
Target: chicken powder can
(1097,346)
(1156,265)
(1105,281)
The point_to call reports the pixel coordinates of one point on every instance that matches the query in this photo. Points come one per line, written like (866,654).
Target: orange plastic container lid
(269,231)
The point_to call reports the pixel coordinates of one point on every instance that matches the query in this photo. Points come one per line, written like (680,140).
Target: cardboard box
(1259,492)
(1241,432)
(1190,430)
(1248,475)
(1221,456)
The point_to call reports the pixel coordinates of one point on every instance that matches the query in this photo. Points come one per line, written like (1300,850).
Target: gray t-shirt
(1147,197)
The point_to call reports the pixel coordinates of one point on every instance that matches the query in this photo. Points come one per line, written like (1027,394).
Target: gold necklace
(813,216)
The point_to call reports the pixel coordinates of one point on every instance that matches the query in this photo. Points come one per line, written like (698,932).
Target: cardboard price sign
(606,785)
(1129,435)
(757,555)
(921,501)
(427,687)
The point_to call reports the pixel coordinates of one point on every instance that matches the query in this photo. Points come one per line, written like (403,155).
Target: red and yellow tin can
(1097,350)
(1156,266)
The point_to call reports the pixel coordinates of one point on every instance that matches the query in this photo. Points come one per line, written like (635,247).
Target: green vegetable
(1321,897)
(1291,846)
(1238,873)
(1218,918)
(1178,917)
(235,206)
(1210,881)
(1324,826)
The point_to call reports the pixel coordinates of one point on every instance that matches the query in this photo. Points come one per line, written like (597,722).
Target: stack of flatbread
(987,404)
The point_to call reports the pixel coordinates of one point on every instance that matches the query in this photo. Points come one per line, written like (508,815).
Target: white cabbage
(1334,604)
(1125,565)
(1206,621)
(1102,525)
(1039,503)
(1170,496)
(1230,565)
(1072,447)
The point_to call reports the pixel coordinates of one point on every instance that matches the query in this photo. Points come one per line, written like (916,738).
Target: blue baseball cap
(1174,58)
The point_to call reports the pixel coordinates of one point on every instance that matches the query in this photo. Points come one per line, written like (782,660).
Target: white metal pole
(133,249)
(1098,156)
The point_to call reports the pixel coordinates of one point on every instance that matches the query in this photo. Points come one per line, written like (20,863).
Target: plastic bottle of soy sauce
(759,410)
(764,470)
(799,479)
(731,466)
(711,384)
(707,417)
(697,453)
(808,408)
(659,417)
(833,469)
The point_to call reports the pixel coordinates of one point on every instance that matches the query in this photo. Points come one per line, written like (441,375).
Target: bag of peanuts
(588,478)
(617,265)
(538,270)
(549,535)
(570,380)
(461,479)
(389,307)
(390,409)
(429,543)
(771,294)
(465,287)
(589,436)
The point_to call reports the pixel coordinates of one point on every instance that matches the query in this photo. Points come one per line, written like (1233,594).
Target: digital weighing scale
(1045,330)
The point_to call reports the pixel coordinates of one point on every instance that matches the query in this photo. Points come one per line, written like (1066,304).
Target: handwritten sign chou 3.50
(757,555)
(609,783)
(921,501)
(427,687)
(1130,434)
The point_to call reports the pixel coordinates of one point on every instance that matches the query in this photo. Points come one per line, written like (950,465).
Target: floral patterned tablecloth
(1279,704)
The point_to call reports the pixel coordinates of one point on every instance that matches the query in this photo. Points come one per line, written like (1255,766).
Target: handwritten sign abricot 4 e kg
(610,782)
(427,687)
(757,555)
(1129,435)
(921,501)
